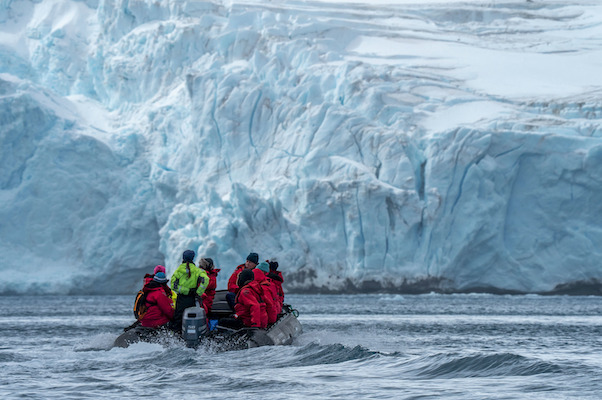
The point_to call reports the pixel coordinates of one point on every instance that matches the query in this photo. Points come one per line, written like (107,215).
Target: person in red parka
(159,306)
(209,294)
(269,292)
(276,277)
(250,263)
(250,308)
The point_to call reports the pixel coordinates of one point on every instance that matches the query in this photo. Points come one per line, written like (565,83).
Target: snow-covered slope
(394,144)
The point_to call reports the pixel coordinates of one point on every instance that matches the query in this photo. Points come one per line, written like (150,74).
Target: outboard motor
(194,325)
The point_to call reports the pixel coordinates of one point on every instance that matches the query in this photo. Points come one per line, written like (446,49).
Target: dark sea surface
(353,347)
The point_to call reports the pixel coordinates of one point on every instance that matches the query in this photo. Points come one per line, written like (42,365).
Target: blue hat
(253,257)
(188,256)
(160,277)
(264,266)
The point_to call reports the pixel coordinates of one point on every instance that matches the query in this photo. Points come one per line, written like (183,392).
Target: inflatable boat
(200,329)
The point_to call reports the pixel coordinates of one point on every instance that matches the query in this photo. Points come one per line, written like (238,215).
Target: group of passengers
(255,293)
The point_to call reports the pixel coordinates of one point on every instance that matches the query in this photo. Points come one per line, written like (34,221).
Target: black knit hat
(188,256)
(253,257)
(273,265)
(244,276)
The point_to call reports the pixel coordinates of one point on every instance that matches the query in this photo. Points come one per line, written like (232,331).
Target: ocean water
(352,347)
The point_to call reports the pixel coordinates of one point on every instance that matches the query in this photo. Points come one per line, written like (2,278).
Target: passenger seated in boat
(209,294)
(276,277)
(269,292)
(160,309)
(250,309)
(250,263)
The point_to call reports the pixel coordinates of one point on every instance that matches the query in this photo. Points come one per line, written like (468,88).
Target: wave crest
(485,365)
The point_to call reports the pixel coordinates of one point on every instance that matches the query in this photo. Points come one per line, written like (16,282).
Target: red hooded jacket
(277,279)
(232,285)
(159,306)
(269,295)
(259,274)
(249,306)
(209,293)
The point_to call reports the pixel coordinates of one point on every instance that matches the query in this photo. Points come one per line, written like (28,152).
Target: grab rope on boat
(291,310)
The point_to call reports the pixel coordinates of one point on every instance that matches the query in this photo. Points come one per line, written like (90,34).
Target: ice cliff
(401,146)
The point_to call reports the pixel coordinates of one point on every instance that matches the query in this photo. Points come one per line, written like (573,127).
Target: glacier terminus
(401,146)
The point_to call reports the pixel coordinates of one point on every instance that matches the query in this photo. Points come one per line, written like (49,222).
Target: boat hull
(282,332)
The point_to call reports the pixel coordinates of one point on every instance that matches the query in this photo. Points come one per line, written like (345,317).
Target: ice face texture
(448,146)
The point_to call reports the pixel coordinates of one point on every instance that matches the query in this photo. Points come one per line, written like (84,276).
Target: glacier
(399,146)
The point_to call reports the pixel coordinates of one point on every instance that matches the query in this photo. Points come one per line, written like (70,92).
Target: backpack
(140,306)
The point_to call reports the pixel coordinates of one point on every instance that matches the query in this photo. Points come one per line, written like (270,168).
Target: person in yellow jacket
(188,281)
